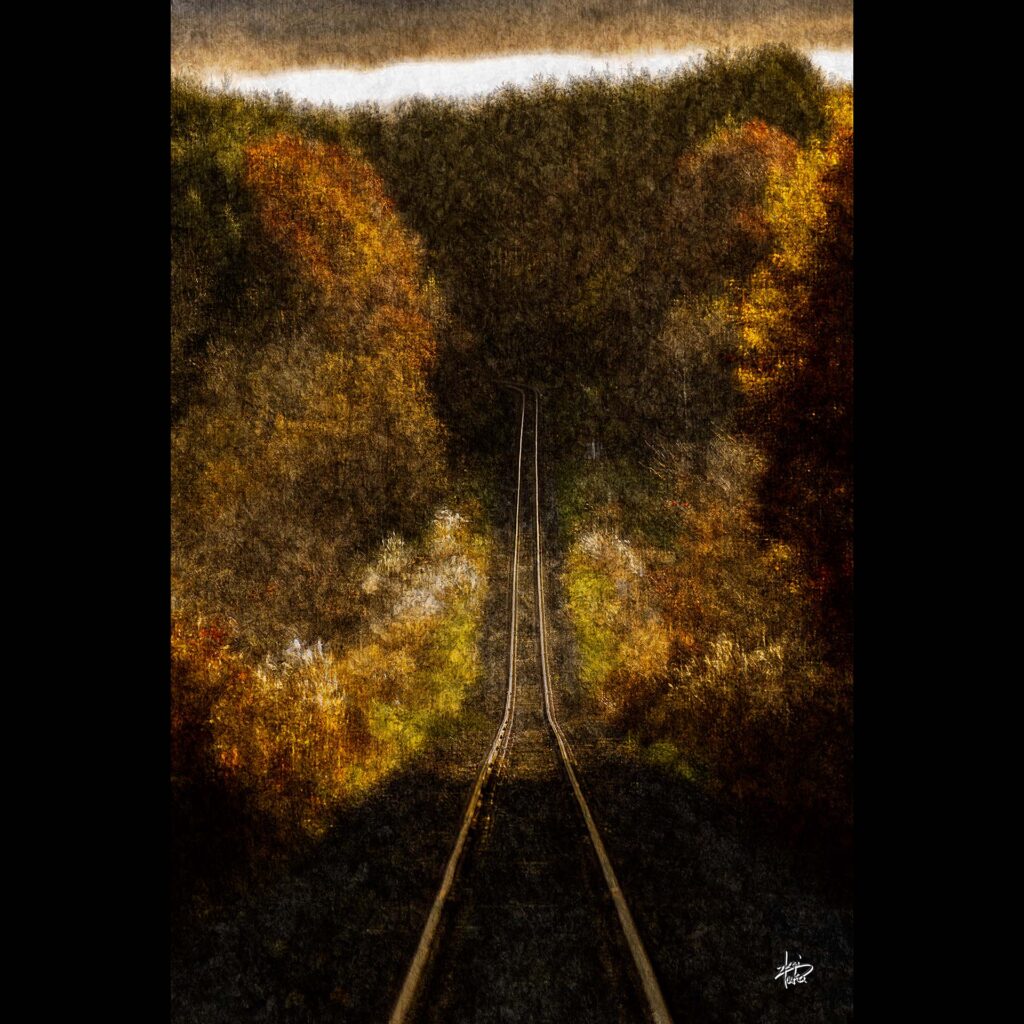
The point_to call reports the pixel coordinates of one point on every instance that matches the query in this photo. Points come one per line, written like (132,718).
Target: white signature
(794,973)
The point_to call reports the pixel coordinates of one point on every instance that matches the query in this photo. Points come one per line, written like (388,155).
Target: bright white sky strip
(465,79)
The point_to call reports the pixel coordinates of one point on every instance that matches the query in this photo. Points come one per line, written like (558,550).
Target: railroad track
(529,922)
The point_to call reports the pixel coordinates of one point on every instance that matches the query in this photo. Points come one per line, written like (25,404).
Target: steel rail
(414,976)
(652,991)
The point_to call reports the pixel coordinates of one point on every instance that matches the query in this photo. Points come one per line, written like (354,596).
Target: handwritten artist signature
(794,973)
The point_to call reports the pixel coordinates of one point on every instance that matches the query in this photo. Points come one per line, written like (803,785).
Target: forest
(670,260)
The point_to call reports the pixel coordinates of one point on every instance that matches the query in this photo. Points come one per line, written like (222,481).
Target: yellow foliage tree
(796,370)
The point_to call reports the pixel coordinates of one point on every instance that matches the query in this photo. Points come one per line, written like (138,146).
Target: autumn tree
(317,435)
(719,227)
(797,367)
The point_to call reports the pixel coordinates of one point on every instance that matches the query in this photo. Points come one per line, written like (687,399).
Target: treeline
(563,223)
(671,260)
(710,585)
(328,570)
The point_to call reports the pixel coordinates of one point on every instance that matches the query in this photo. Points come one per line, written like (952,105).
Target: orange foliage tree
(719,231)
(320,438)
(717,205)
(327,209)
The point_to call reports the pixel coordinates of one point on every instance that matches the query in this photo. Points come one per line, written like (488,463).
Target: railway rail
(538,855)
